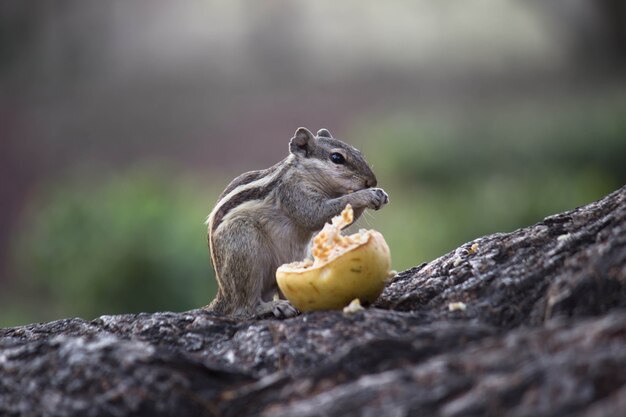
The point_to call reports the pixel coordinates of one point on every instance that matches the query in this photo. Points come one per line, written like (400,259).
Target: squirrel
(266,218)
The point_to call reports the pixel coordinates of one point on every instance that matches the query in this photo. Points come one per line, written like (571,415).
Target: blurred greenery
(478,117)
(127,243)
(451,180)
(135,241)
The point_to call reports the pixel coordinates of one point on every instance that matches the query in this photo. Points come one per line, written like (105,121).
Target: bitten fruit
(343,268)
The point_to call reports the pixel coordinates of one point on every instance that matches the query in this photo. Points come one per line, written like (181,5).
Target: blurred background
(121,122)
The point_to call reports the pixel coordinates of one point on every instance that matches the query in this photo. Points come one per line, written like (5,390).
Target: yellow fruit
(343,268)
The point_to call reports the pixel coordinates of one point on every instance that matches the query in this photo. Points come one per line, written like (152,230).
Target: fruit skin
(359,273)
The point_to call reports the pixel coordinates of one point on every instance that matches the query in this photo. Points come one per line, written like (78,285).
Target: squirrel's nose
(370,182)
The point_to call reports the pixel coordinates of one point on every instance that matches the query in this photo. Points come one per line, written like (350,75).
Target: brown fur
(266,218)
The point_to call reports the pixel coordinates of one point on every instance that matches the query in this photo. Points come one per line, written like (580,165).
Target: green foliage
(136,241)
(452,180)
(130,243)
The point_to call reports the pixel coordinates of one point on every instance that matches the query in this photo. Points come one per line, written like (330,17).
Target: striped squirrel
(266,218)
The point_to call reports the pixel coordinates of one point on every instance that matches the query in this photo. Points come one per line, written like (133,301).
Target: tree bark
(541,331)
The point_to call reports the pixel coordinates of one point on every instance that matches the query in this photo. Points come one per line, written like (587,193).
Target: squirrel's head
(335,166)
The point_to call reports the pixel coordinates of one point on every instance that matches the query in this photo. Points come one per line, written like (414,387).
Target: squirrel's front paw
(378,198)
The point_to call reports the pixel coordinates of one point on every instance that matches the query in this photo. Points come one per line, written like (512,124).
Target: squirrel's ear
(324,133)
(302,142)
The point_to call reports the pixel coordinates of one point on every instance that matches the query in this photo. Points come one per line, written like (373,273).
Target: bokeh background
(120,123)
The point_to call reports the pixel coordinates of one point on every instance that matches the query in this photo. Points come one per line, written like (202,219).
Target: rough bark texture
(543,334)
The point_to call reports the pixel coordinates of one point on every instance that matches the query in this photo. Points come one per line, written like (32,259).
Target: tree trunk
(528,323)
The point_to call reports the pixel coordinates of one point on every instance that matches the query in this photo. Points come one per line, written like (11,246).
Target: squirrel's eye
(337,158)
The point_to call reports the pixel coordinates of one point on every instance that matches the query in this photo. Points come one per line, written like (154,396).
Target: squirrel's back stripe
(245,178)
(253,185)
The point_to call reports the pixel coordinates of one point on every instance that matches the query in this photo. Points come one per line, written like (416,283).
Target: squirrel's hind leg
(243,271)
(239,251)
